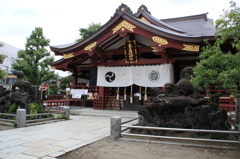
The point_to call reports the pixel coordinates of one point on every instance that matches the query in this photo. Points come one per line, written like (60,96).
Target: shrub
(12,109)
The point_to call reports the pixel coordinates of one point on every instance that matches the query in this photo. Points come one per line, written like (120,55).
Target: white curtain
(145,76)
(152,76)
(114,76)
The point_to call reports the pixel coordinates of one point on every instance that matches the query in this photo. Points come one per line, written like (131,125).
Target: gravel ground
(121,149)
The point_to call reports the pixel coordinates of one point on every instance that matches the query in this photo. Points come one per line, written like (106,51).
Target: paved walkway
(51,140)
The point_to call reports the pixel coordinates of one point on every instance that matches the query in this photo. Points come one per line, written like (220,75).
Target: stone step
(106,115)
(103,113)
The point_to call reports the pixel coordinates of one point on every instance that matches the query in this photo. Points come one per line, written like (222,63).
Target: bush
(49,92)
(12,109)
(54,88)
(35,108)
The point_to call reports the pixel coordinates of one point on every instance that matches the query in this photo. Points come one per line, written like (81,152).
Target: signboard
(130,51)
(77,93)
(68,89)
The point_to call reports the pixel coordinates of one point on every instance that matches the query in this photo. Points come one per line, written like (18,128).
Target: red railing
(98,102)
(111,102)
(226,101)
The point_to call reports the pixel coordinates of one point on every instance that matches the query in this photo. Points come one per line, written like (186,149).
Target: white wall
(11,53)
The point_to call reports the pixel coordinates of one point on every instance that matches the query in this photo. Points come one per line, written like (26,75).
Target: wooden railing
(226,101)
(112,103)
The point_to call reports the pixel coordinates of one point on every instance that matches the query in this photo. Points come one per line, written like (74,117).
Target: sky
(61,20)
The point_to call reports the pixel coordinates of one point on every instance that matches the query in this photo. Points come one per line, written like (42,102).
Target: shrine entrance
(132,53)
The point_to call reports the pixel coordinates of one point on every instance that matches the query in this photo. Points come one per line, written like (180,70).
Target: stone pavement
(51,140)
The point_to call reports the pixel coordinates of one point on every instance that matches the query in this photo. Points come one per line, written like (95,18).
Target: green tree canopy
(54,88)
(220,68)
(2,57)
(33,61)
(65,81)
(86,32)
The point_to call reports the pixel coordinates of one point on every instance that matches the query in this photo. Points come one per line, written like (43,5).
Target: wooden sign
(130,51)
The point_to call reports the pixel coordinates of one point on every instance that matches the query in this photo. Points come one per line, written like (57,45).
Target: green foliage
(62,116)
(35,108)
(15,123)
(229,25)
(65,81)
(49,92)
(33,61)
(12,109)
(54,88)
(216,67)
(86,32)
(3,73)
(2,57)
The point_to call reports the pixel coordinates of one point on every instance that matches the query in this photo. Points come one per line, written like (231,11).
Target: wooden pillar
(74,82)
(101,102)
(164,57)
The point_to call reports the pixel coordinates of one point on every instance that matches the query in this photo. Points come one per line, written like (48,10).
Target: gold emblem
(159,40)
(68,55)
(89,47)
(143,19)
(130,51)
(191,47)
(154,49)
(124,24)
(53,67)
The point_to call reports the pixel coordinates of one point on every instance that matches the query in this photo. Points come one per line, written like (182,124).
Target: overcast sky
(61,20)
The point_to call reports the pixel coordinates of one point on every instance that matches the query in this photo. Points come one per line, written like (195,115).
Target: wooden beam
(140,62)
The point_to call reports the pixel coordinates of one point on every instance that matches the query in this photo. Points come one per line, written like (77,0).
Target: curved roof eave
(149,27)
(203,15)
(56,62)
(159,22)
(163,32)
(72,46)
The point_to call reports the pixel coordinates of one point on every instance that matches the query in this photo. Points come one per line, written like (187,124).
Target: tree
(33,61)
(54,88)
(217,67)
(86,32)
(65,81)
(2,57)
(49,92)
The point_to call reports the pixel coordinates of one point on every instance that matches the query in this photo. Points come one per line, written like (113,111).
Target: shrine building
(132,52)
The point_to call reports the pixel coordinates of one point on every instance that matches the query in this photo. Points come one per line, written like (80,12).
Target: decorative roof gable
(123,23)
(141,9)
(123,8)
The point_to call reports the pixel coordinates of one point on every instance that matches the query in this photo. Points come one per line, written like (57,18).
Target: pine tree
(33,61)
